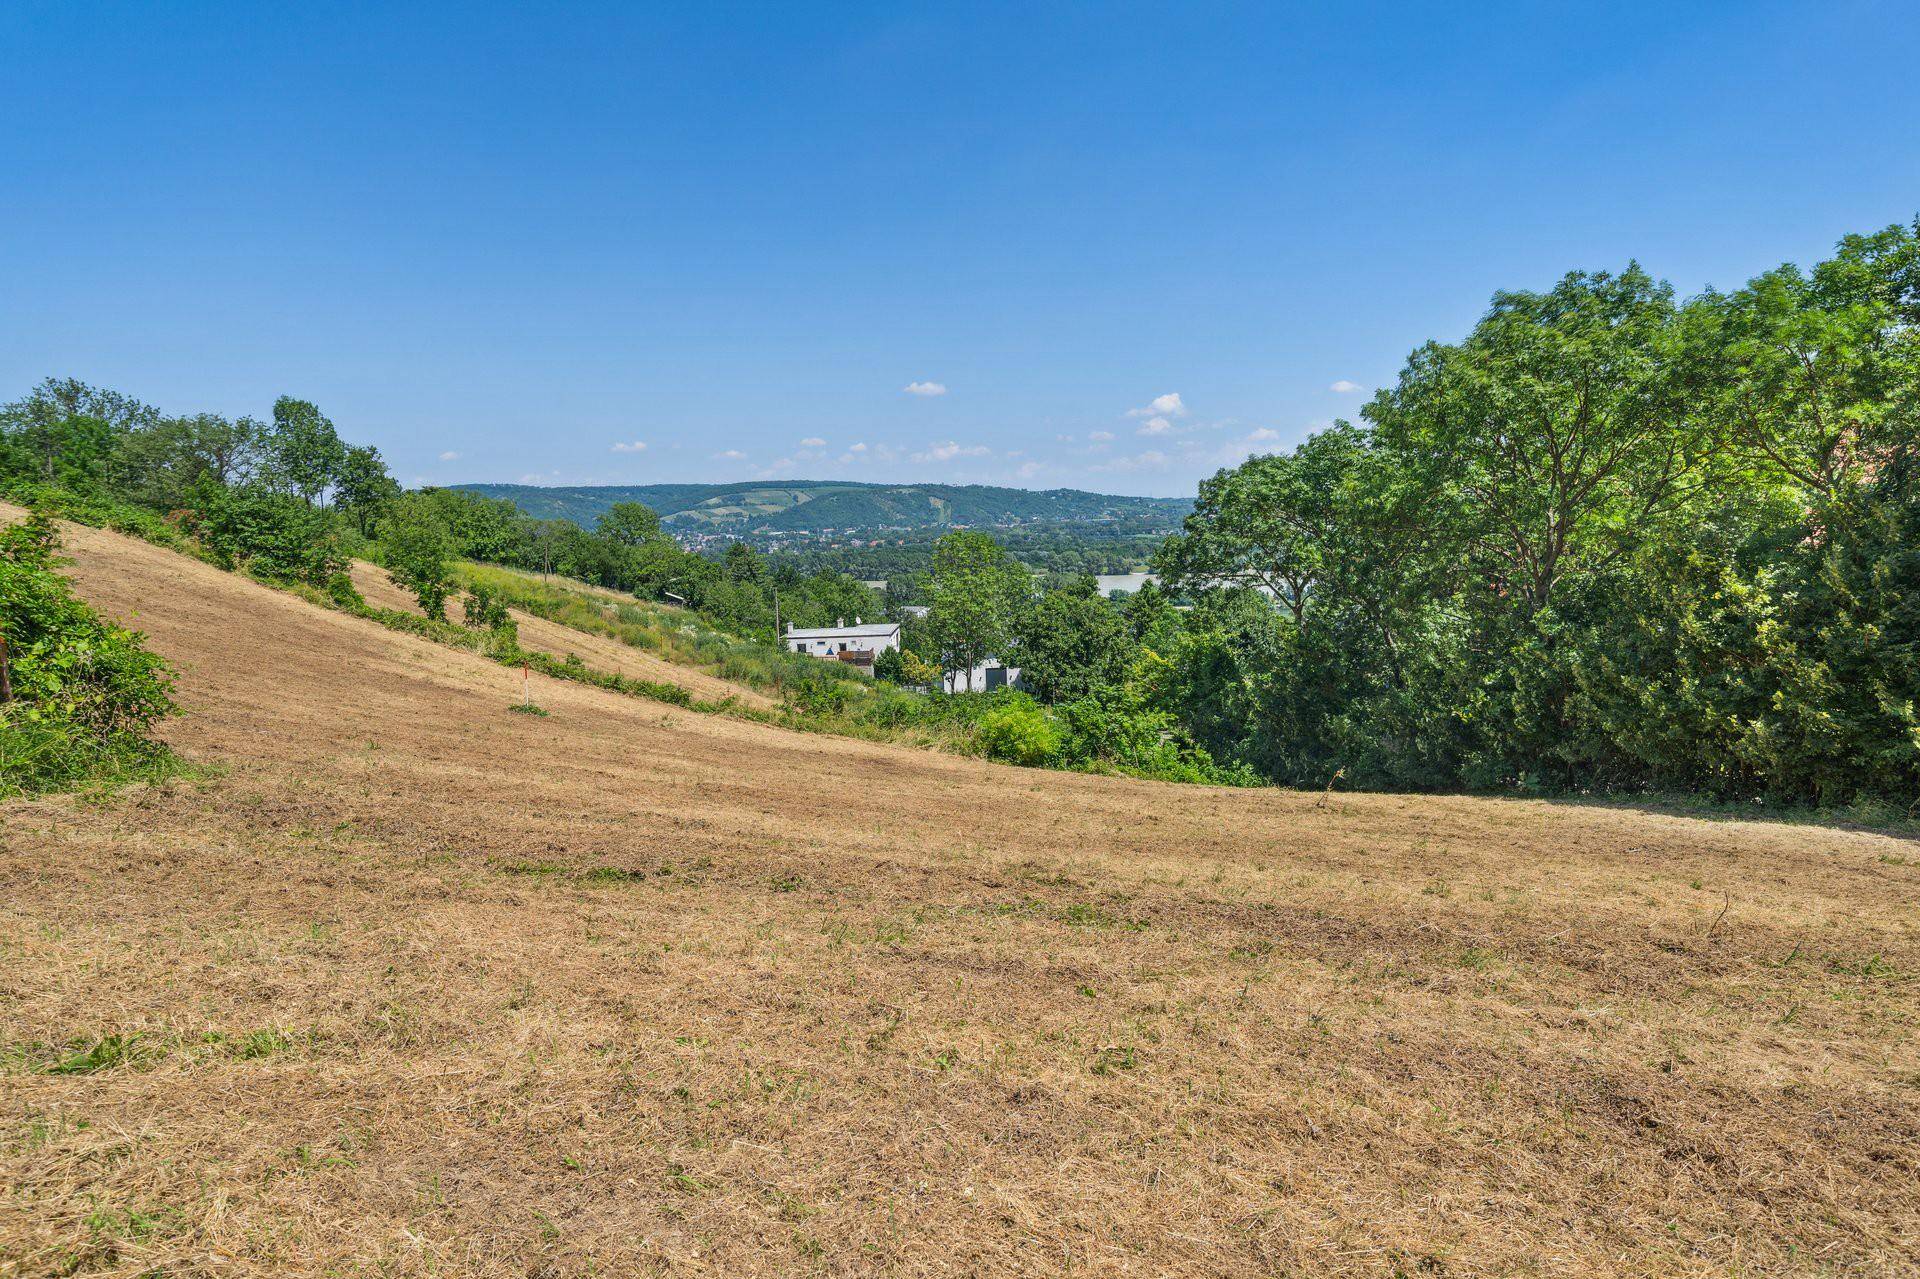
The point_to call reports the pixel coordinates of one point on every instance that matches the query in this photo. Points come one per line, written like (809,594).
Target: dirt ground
(419,986)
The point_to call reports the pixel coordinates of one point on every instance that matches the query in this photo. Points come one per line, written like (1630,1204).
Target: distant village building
(984,678)
(856,645)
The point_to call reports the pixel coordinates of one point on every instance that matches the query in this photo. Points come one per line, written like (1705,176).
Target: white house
(984,678)
(856,645)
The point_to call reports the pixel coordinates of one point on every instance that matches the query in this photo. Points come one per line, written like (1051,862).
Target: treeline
(288,499)
(1609,541)
(1064,549)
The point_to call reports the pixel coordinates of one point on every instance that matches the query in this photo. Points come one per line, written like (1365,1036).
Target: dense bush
(269,534)
(82,694)
(1018,733)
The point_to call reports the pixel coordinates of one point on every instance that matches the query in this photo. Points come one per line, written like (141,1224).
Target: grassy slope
(419,986)
(585,623)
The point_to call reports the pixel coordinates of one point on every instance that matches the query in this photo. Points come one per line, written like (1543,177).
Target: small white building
(984,678)
(856,645)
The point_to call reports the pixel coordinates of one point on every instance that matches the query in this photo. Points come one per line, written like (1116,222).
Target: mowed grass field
(413,985)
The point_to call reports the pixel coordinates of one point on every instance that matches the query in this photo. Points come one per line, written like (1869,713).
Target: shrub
(418,552)
(269,534)
(898,666)
(1017,734)
(82,694)
(483,611)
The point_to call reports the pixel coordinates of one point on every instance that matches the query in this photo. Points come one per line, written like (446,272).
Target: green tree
(741,563)
(306,453)
(629,523)
(1071,644)
(365,486)
(163,464)
(1266,522)
(65,432)
(418,552)
(1558,430)
(1812,370)
(977,592)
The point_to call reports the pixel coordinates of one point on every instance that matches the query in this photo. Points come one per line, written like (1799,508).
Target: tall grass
(673,634)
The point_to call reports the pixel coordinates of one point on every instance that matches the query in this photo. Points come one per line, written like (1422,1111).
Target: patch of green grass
(141,1050)
(161,1221)
(678,1178)
(106,1053)
(613,875)
(527,708)
(44,759)
(1114,1059)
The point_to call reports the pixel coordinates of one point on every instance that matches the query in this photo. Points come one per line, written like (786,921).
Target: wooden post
(6,676)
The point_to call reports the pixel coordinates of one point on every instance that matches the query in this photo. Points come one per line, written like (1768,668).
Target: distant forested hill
(794,505)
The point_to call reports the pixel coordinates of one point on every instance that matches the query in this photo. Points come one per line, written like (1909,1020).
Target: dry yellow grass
(425,987)
(537,634)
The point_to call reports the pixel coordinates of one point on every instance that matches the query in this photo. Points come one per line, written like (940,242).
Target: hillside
(539,635)
(794,505)
(413,985)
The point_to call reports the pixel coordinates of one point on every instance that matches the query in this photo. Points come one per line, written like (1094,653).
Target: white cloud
(1030,469)
(1253,444)
(449,456)
(1344,387)
(948,451)
(1151,460)
(925,388)
(813,442)
(633,446)
(1168,405)
(1154,426)
(1099,437)
(730,455)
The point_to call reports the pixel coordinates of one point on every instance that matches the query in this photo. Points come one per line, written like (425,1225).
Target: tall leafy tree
(365,486)
(741,564)
(164,463)
(307,454)
(629,523)
(1560,427)
(65,432)
(977,593)
(418,552)
(1071,643)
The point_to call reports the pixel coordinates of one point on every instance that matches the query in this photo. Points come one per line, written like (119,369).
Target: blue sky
(1127,244)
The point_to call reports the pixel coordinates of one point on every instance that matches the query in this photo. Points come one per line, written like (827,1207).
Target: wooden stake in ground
(6,676)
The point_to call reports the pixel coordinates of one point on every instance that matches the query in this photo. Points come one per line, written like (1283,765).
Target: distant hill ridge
(797,505)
